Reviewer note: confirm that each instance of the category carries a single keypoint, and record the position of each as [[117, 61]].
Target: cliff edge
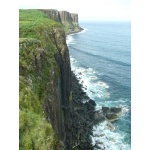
[[51, 114]]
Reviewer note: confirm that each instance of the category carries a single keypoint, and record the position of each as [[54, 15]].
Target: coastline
[[103, 117], [84, 113], [58, 90]]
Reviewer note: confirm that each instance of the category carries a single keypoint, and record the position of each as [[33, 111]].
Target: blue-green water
[[101, 57]]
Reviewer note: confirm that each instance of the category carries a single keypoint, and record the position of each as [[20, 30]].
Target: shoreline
[[106, 114], [83, 115], [72, 32]]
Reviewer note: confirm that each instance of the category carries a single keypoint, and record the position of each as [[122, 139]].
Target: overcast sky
[[98, 10]]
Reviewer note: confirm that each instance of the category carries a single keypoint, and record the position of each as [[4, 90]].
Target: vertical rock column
[[63, 61], [74, 18], [65, 16]]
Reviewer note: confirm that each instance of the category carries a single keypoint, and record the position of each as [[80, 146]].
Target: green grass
[[35, 133], [33, 22]]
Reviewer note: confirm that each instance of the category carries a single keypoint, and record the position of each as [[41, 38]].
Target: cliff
[[52, 14], [74, 17], [51, 114], [67, 19]]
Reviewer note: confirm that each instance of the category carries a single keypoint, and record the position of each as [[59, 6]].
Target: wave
[[84, 30], [104, 136], [69, 39]]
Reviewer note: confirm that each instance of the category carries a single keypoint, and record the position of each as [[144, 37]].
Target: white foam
[[103, 84], [84, 30], [104, 136], [87, 79], [69, 39]]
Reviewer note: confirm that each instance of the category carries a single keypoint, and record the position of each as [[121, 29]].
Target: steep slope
[[40, 79], [52, 116]]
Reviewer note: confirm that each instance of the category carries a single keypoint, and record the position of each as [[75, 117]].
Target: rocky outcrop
[[107, 113], [74, 18], [65, 16]]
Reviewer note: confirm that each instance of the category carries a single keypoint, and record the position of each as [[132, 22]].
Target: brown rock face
[[65, 16], [74, 17]]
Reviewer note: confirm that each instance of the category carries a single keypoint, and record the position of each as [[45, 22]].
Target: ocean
[[101, 58]]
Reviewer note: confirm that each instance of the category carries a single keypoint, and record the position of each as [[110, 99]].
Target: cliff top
[[32, 20]]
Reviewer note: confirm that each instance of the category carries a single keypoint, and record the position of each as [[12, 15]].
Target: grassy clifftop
[[36, 62], [33, 22]]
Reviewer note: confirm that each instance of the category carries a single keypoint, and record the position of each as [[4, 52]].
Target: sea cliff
[[67, 19], [51, 112]]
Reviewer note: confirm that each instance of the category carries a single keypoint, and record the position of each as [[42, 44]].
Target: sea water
[[101, 58]]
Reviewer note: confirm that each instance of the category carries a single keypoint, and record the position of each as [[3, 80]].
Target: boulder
[[90, 105], [105, 109], [92, 102], [98, 117], [112, 117], [116, 110]]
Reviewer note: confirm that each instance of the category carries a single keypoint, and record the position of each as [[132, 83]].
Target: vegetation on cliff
[[46, 105], [36, 51]]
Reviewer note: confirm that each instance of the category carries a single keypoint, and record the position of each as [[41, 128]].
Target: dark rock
[[98, 142], [83, 116], [89, 106], [112, 117], [92, 102], [97, 146], [115, 110], [98, 117], [105, 109], [83, 93]]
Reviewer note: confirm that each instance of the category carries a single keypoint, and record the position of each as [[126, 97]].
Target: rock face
[[65, 16], [58, 105], [53, 14], [74, 17]]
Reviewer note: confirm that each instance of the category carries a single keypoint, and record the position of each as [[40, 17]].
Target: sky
[[88, 10]]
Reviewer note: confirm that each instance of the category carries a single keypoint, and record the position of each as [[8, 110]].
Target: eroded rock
[[112, 117]]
